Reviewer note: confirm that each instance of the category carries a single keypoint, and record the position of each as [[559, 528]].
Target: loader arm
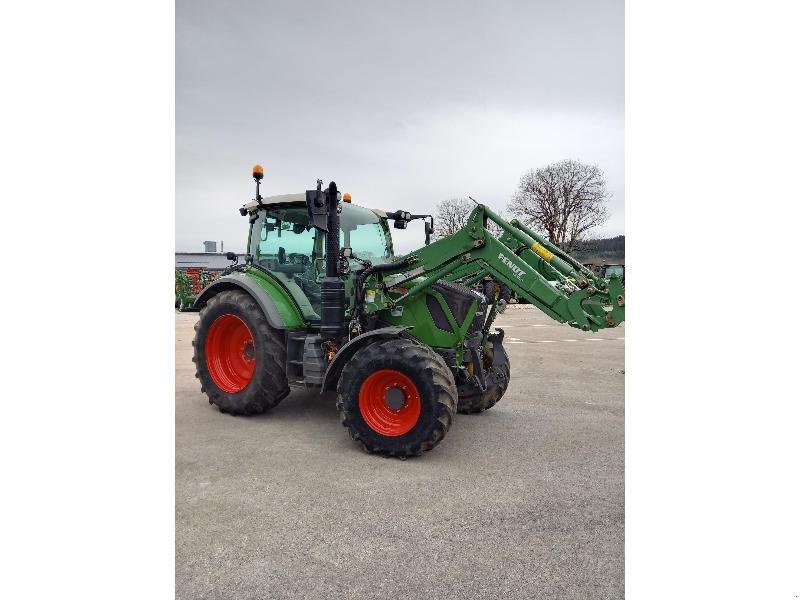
[[532, 267]]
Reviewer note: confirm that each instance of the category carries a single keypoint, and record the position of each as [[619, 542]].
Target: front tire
[[498, 375], [397, 398], [240, 359]]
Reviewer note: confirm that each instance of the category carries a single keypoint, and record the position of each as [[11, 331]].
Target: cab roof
[[252, 206]]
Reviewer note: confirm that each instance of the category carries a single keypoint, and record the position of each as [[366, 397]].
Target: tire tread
[[422, 360], [269, 384]]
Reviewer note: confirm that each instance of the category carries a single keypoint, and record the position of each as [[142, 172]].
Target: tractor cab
[[618, 270], [285, 242]]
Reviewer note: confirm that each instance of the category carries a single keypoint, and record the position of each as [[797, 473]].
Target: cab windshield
[[363, 231], [283, 241]]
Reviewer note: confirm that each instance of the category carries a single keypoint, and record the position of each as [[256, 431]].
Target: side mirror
[[317, 206], [428, 231], [232, 256], [346, 252]]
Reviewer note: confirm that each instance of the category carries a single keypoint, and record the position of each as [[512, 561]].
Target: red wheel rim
[[230, 353], [389, 402]]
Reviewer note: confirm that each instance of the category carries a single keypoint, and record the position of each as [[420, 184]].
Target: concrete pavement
[[523, 501]]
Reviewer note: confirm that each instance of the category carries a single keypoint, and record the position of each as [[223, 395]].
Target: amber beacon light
[[258, 172]]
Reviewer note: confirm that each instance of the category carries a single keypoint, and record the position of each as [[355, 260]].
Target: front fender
[[347, 351], [274, 302]]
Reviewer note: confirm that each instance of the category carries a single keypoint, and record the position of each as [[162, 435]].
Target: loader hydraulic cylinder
[[541, 247]]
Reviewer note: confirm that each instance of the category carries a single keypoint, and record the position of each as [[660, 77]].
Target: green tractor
[[606, 270], [321, 302]]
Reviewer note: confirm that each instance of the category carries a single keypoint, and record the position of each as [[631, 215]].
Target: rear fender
[[240, 281]]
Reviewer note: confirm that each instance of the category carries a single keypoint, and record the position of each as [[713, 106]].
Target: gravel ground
[[523, 501]]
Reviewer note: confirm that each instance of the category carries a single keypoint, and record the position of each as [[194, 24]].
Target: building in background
[[194, 271], [211, 261]]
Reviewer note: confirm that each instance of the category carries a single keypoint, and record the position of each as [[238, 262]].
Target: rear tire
[[497, 377], [408, 375], [240, 359]]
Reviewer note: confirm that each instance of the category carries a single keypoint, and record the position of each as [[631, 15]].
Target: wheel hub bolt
[[394, 398]]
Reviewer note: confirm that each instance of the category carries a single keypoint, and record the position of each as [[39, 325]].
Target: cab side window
[[285, 246], [283, 243]]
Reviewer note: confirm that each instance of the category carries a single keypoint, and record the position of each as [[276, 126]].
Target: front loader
[[322, 302]]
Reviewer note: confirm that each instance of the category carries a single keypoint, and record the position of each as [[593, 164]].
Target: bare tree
[[565, 199], [451, 215], [496, 230]]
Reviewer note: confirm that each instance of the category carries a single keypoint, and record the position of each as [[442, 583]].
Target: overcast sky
[[403, 104]]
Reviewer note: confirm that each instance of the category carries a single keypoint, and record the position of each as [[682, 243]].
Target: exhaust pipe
[[333, 325]]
